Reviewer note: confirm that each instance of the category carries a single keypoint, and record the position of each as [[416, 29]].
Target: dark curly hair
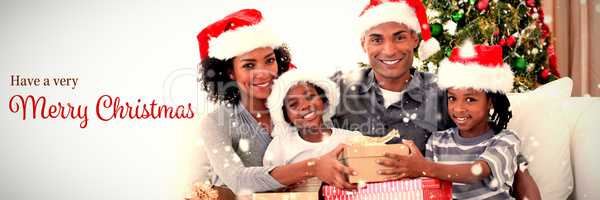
[[220, 87], [502, 114]]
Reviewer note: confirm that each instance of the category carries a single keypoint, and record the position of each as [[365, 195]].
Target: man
[[390, 94]]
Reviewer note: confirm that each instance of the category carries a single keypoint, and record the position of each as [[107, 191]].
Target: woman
[[240, 59]]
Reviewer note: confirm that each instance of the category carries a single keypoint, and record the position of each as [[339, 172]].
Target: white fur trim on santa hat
[[282, 85], [459, 75], [242, 40], [389, 12], [428, 48]]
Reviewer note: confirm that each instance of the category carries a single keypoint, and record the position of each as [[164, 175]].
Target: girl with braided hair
[[479, 155]]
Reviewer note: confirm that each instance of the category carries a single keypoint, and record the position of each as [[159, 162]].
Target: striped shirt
[[499, 151]]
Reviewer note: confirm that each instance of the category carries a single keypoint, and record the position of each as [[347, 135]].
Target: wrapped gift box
[[286, 196], [362, 158], [421, 188]]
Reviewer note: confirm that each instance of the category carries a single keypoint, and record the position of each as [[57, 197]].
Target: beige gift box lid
[[362, 158]]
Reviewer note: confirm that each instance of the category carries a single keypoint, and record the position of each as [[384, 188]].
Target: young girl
[[479, 155], [301, 105]]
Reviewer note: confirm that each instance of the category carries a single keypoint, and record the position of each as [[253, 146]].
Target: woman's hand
[[331, 171], [411, 166]]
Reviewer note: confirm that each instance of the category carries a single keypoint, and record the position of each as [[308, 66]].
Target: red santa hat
[[236, 34], [409, 12], [479, 67], [293, 77]]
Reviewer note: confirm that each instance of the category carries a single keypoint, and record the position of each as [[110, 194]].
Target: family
[[281, 127]]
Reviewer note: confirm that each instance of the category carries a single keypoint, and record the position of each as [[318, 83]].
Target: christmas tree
[[517, 25]]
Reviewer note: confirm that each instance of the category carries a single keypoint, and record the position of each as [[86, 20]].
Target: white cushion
[[585, 141], [538, 119]]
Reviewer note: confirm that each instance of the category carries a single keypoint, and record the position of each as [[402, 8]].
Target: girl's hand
[[331, 171], [411, 166], [524, 185]]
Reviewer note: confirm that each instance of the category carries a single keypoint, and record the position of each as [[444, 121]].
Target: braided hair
[[502, 114]]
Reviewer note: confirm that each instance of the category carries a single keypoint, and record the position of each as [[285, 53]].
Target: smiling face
[[254, 73], [389, 47], [469, 109], [304, 107]]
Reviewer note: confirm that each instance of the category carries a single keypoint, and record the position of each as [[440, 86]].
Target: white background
[[131, 49]]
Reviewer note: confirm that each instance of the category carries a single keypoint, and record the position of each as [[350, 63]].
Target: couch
[[558, 134]]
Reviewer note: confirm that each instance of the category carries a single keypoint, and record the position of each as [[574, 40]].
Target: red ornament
[[545, 31], [482, 5], [552, 60], [511, 41], [545, 74], [531, 3], [502, 42]]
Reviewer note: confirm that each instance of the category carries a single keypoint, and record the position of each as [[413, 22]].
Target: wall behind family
[[132, 49]]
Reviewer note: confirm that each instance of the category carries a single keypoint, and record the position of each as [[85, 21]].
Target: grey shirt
[[420, 111], [499, 151], [234, 144]]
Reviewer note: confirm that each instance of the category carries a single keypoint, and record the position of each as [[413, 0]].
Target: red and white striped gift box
[[421, 188]]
